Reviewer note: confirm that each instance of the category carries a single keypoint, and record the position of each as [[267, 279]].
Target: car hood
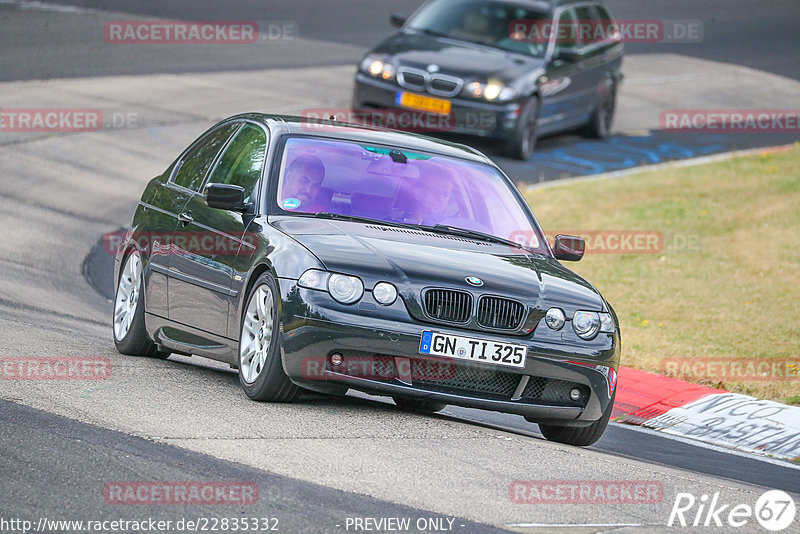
[[415, 259], [452, 56]]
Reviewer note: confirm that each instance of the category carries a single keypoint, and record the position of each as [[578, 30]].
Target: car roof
[[324, 128]]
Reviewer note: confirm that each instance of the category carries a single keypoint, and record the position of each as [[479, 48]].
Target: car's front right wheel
[[261, 371]]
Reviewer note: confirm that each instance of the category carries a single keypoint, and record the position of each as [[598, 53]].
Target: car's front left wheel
[[419, 405], [579, 436], [261, 371], [130, 335]]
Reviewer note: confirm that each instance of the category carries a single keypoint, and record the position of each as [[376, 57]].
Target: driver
[[433, 197], [302, 180]]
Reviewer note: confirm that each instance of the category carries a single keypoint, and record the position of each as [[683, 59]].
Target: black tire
[[419, 405], [135, 342], [523, 140], [270, 384], [599, 125], [579, 436]]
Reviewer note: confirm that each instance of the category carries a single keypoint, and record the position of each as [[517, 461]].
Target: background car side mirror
[[226, 197], [397, 20], [569, 247]]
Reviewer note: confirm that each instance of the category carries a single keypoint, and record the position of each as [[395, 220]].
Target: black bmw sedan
[[323, 256], [504, 69]]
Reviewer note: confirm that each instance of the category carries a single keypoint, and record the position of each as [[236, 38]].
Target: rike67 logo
[[774, 510]]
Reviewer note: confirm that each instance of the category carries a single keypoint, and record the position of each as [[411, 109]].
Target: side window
[[243, 160], [194, 166], [566, 32], [607, 23], [587, 25]]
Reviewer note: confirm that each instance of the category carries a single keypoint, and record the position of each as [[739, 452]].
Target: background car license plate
[[423, 103], [474, 350]]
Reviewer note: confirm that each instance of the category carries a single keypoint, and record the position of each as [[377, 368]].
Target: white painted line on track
[[573, 525]]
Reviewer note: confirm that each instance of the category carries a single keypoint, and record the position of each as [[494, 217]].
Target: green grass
[[735, 294]]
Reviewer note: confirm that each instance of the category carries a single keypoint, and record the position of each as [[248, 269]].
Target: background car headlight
[[555, 318], [378, 68], [345, 289], [385, 293], [314, 279], [586, 324], [495, 90]]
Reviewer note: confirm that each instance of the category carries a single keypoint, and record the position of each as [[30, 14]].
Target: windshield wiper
[[356, 218], [474, 234]]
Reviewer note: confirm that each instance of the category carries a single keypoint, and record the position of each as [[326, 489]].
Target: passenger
[[433, 195]]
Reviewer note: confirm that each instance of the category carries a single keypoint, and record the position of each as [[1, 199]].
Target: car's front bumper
[[471, 117], [382, 357]]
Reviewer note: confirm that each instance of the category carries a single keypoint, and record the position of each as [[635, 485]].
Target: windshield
[[479, 21], [398, 186]]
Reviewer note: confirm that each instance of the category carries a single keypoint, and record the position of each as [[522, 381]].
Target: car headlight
[[385, 293], [377, 67], [314, 279], [554, 318], [495, 90], [587, 324], [345, 289]]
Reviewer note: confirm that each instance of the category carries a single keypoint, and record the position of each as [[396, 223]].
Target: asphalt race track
[[323, 460]]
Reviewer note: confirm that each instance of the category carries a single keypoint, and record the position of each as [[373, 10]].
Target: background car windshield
[[482, 22], [346, 178]]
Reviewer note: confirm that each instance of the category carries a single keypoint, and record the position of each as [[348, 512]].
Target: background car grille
[[411, 80], [444, 85], [496, 312], [448, 305], [469, 379]]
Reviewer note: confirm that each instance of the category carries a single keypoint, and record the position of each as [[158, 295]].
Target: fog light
[[336, 359], [554, 318], [385, 293], [575, 394]]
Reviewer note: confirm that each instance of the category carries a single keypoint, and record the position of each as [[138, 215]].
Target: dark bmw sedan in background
[[323, 256], [504, 69]]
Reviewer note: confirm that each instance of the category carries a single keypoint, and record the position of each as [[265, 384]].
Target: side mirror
[[397, 20], [569, 247], [226, 197], [570, 55]]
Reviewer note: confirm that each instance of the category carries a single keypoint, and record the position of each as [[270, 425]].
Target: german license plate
[[473, 350], [423, 103]]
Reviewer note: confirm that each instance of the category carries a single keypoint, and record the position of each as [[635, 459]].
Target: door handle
[[185, 217]]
